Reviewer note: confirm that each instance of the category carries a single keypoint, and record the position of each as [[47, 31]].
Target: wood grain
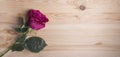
[[77, 28]]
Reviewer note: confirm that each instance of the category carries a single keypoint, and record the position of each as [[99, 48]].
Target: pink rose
[[36, 19]]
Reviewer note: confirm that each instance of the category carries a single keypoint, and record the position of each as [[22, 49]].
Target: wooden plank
[[77, 28]]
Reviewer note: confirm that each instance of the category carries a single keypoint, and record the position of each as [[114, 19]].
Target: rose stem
[[5, 52], [13, 44]]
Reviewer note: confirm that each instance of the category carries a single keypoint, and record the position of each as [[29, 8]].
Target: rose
[[36, 19]]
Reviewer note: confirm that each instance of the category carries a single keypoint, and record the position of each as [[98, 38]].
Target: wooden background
[[77, 28]]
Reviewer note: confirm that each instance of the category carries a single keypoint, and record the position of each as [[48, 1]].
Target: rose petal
[[37, 20], [36, 25]]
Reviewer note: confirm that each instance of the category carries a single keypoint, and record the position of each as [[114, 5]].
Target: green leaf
[[17, 47], [21, 38], [35, 44], [21, 30], [24, 29], [18, 29], [27, 24], [21, 21]]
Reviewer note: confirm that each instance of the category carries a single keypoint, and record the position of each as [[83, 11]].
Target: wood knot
[[82, 7], [98, 43], [11, 32]]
